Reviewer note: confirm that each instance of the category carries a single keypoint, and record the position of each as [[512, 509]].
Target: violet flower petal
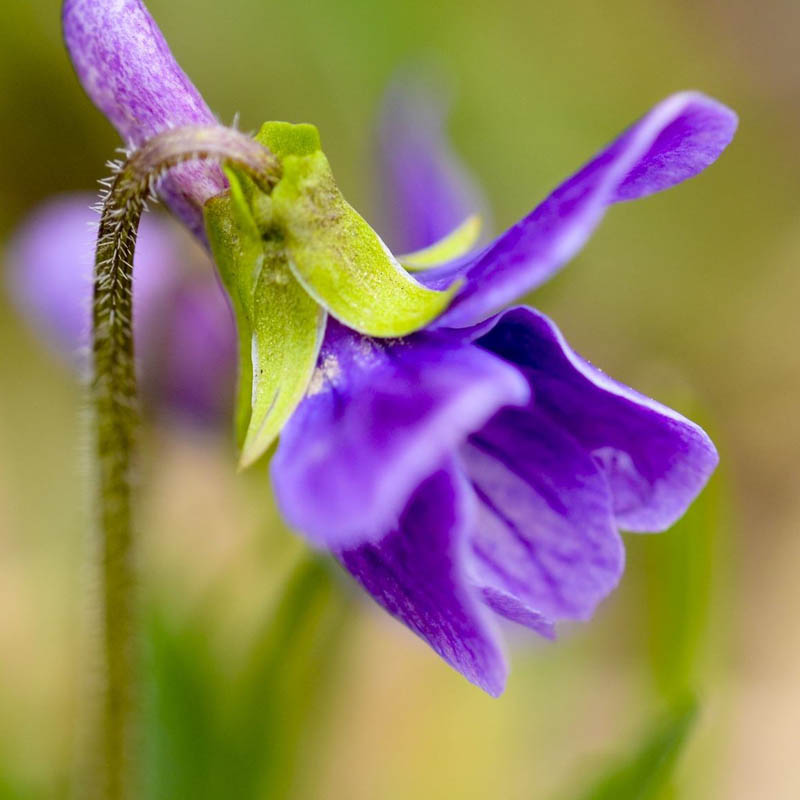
[[126, 67], [183, 328], [545, 532], [655, 460], [50, 261], [512, 608], [426, 191], [379, 418], [415, 573], [676, 140], [196, 364]]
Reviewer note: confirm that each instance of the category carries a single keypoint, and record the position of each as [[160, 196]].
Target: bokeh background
[[691, 296]]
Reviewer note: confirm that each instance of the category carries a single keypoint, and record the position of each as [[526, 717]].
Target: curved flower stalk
[[115, 418], [479, 467]]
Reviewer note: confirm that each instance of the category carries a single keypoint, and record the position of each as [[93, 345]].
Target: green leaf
[[681, 569], [279, 695], [279, 326], [455, 244], [218, 726], [182, 726], [332, 250], [646, 772]]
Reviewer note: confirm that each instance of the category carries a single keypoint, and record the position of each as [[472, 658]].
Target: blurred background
[[690, 296]]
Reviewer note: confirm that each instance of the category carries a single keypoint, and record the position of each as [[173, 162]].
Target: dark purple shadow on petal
[[426, 190], [126, 67], [415, 572], [545, 532], [655, 461], [676, 140], [379, 418]]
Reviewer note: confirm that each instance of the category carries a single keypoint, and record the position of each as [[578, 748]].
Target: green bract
[[287, 258]]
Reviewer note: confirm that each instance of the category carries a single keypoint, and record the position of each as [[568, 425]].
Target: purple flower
[[470, 470], [479, 469], [185, 340]]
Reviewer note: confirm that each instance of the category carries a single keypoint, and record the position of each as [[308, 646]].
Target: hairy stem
[[114, 402]]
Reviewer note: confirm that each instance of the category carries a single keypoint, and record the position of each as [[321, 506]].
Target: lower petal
[[655, 460], [415, 572], [544, 534]]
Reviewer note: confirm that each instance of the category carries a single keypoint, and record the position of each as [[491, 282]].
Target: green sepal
[[333, 252], [290, 139], [231, 247], [457, 243], [279, 326]]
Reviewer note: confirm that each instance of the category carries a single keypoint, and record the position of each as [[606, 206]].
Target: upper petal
[[379, 418], [415, 571], [127, 69], [676, 140], [544, 535], [655, 460], [426, 190]]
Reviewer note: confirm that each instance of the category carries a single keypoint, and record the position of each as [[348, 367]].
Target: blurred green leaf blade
[[181, 723], [647, 771], [680, 567], [282, 687], [212, 733]]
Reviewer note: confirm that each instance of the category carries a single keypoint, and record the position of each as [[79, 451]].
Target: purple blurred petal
[[379, 418], [676, 140], [655, 461], [415, 573], [545, 532], [427, 192], [127, 69], [197, 368], [183, 328], [49, 271]]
